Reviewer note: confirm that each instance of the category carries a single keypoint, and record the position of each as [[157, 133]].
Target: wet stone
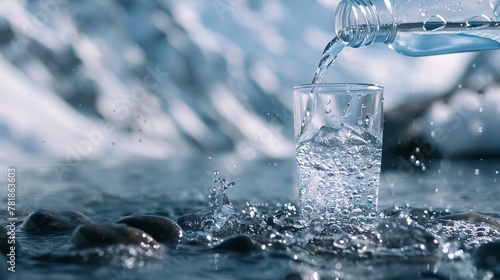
[[487, 258], [191, 222], [52, 221], [160, 228], [102, 235], [238, 244]]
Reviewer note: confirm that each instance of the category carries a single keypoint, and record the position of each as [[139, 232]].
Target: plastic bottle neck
[[363, 22]]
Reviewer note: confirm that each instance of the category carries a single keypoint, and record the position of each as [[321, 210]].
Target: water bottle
[[420, 27]]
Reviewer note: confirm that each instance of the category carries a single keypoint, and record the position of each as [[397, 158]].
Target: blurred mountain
[[114, 79]]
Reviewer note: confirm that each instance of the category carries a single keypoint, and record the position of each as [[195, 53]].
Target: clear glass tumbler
[[338, 130]]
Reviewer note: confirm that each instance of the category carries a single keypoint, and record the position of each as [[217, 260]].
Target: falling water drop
[[478, 22], [433, 23]]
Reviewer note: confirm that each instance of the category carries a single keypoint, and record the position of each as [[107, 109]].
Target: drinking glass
[[338, 130]]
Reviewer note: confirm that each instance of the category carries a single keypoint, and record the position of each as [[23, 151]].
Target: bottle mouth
[[355, 22], [359, 22]]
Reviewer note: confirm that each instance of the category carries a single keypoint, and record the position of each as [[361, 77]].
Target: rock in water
[[487, 258], [102, 235], [160, 228], [191, 222], [52, 221], [238, 244]]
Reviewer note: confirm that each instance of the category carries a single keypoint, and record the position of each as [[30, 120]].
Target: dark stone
[[191, 222], [238, 244], [487, 257], [52, 221], [101, 235], [160, 228]]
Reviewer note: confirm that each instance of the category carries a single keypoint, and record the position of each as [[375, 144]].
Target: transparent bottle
[[420, 27]]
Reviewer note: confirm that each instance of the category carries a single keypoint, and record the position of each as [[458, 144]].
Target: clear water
[[338, 171], [330, 53], [436, 36], [408, 241]]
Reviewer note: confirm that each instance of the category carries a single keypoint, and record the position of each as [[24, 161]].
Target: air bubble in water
[[328, 111], [476, 171], [478, 22], [481, 110], [480, 129], [433, 23]]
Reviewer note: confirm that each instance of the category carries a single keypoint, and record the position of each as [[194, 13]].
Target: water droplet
[[481, 110], [496, 172], [417, 150], [434, 23], [347, 113], [496, 10], [328, 111], [210, 157], [476, 171], [367, 120], [459, 86], [433, 134], [417, 163], [478, 22], [480, 129], [359, 122]]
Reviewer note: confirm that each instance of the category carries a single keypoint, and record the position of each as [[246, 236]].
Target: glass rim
[[340, 87]]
